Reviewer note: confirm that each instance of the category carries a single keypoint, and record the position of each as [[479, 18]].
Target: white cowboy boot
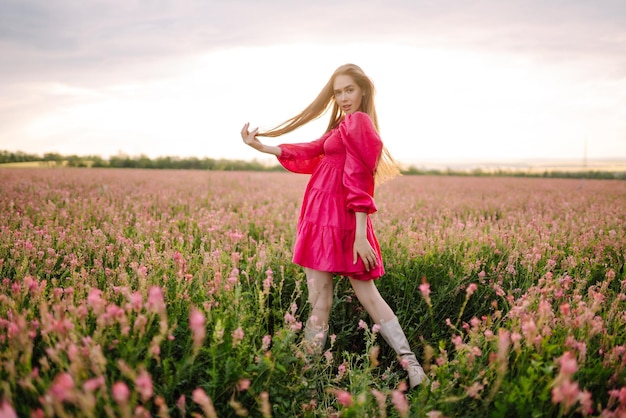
[[393, 334]]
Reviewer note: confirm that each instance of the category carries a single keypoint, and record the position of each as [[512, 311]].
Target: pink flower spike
[[144, 385], [243, 384], [181, 404], [343, 397], [120, 392], [197, 322], [93, 384], [471, 289], [266, 341], [474, 390], [400, 402], [6, 410], [156, 303], [200, 397], [237, 335], [567, 393], [62, 387], [568, 363]]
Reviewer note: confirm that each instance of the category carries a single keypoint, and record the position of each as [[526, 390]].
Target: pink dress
[[341, 164]]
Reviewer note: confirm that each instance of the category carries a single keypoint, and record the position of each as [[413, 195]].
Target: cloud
[[119, 39]]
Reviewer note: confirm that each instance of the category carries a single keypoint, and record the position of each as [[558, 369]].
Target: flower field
[[130, 293]]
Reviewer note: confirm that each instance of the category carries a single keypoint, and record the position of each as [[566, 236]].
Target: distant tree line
[[141, 161], [193, 163], [478, 172]]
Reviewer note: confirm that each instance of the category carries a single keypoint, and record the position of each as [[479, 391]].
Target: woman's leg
[[379, 310], [320, 288], [367, 293]]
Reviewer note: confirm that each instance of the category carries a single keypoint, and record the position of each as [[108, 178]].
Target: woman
[[335, 234]]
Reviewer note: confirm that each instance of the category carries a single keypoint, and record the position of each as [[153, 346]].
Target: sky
[[466, 80]]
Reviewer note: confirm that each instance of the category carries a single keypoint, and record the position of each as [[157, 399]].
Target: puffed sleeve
[[363, 148], [303, 157]]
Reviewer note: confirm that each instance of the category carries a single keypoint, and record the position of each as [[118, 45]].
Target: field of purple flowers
[[171, 293]]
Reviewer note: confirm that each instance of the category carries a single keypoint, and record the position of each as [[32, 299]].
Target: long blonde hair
[[386, 167]]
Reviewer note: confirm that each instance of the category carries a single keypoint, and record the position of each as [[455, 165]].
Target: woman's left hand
[[249, 137], [362, 248]]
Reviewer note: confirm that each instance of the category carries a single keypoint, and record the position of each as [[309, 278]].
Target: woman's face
[[348, 94]]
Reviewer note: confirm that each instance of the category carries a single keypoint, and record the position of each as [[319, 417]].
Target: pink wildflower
[[289, 318], [474, 390], [343, 397], [200, 397], [566, 393], [243, 384], [341, 371], [504, 342], [136, 301], [37, 413], [363, 325], [143, 382], [93, 384], [267, 340], [269, 278], [474, 322], [375, 328], [94, 299], [568, 363], [266, 407], [586, 402], [181, 404], [381, 400], [237, 335], [296, 326], [156, 303], [529, 329], [141, 412], [471, 289], [120, 392], [62, 387], [6, 410], [142, 271], [457, 340], [197, 322], [404, 363], [399, 401], [425, 289], [140, 323]]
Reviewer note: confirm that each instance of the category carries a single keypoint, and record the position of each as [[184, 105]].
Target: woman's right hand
[[249, 137]]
